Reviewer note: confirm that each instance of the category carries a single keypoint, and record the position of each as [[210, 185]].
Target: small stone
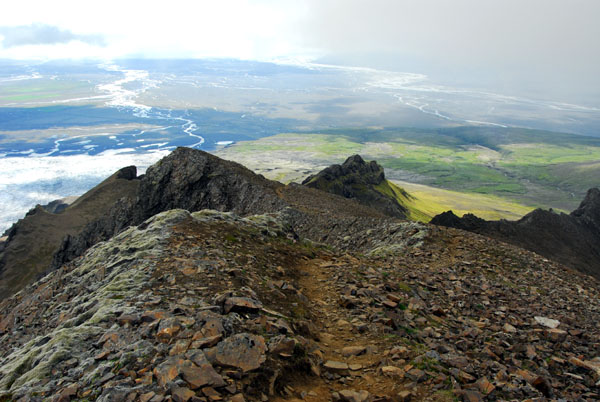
[[167, 329], [404, 396], [337, 367], [509, 328], [179, 347], [213, 326], [282, 345], [71, 363], [416, 375], [238, 398], [400, 352], [128, 319], [355, 366], [150, 316], [389, 304], [438, 311], [241, 305], [353, 350], [211, 394], [530, 352], [484, 386], [527, 375], [244, 351], [201, 376], [542, 385], [462, 376], [393, 298], [167, 371], [102, 355], [343, 324], [207, 342], [66, 393], [556, 335], [347, 302], [146, 397], [547, 322], [472, 396], [392, 371], [182, 394], [354, 396]]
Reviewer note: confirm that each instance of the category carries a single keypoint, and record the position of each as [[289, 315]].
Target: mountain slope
[[571, 239], [31, 242], [211, 305]]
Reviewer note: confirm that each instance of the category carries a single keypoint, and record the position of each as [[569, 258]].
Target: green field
[[43, 90], [501, 173]]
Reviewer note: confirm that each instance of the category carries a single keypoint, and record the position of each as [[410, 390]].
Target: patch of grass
[[427, 363], [231, 238], [404, 287], [444, 396], [430, 201]]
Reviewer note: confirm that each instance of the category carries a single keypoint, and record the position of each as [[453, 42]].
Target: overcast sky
[[556, 42]]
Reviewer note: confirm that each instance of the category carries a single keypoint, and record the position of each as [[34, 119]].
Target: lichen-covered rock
[[243, 351], [111, 274]]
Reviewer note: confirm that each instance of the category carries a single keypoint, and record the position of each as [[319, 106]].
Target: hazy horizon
[[546, 49]]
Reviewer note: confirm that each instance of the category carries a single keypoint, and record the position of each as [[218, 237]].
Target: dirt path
[[338, 333]]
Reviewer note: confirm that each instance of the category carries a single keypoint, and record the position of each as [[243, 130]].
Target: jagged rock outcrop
[[571, 239], [187, 179], [361, 181], [28, 250]]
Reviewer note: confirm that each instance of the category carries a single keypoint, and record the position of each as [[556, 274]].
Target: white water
[[122, 96], [32, 76]]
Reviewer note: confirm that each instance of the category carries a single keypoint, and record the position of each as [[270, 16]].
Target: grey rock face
[[188, 179], [358, 180]]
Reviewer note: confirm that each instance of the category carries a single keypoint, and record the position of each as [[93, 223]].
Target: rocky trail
[[350, 351]]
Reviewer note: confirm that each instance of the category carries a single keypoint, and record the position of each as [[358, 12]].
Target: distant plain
[[66, 125]]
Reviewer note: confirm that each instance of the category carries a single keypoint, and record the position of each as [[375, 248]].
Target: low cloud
[[41, 34]]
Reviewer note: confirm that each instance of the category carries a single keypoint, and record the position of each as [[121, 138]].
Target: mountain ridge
[[31, 242], [571, 239]]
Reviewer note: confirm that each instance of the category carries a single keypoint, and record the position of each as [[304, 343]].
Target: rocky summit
[[364, 182], [572, 239], [292, 293]]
